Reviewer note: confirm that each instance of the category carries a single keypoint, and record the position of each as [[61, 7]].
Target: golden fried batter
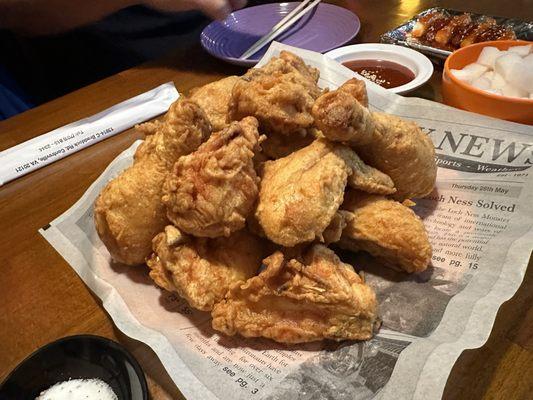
[[401, 150], [280, 95], [364, 177], [202, 270], [388, 230], [286, 62], [342, 117], [210, 192], [357, 89], [300, 300], [128, 213], [214, 98], [394, 146], [300, 194]]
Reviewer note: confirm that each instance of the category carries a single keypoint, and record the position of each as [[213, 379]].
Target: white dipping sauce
[[79, 389]]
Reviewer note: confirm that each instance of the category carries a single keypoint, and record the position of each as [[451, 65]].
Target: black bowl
[[75, 357]]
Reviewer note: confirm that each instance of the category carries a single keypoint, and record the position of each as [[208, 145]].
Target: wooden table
[[42, 298]]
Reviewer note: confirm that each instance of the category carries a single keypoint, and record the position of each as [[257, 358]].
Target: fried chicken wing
[[363, 176], [214, 99], [128, 212], [386, 229], [313, 297], [396, 147], [300, 194], [202, 270], [210, 192], [280, 95]]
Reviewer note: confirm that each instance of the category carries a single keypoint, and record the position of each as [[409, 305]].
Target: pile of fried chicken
[[235, 196]]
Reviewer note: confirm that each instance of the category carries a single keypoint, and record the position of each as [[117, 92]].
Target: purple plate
[[322, 29]]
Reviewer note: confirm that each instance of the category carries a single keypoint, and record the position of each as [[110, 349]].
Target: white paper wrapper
[[61, 142], [479, 219]]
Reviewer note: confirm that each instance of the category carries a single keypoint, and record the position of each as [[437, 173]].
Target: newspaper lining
[[479, 225]]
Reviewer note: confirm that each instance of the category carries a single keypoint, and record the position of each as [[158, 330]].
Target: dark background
[[40, 69]]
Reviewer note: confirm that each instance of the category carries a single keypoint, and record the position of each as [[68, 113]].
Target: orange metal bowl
[[462, 95]]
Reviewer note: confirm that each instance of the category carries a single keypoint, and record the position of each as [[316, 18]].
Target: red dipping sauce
[[387, 74]]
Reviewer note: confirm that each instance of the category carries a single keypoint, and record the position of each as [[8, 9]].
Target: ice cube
[[497, 81], [475, 69], [488, 55], [462, 75], [522, 51], [512, 91], [521, 76], [505, 63], [481, 83]]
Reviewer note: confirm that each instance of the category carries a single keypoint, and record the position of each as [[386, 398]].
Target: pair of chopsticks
[[290, 19]]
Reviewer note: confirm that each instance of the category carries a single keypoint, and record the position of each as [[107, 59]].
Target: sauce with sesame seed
[[387, 74]]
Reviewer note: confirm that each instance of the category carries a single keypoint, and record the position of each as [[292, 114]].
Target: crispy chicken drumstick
[[396, 147], [128, 213], [386, 229]]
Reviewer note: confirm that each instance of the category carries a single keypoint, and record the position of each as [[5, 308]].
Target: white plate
[[415, 61]]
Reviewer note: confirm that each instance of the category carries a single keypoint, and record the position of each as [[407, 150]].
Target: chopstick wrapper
[[61, 142]]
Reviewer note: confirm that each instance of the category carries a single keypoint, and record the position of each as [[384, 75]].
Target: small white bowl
[[418, 63]]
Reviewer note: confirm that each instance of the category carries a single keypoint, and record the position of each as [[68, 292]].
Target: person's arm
[[45, 17]]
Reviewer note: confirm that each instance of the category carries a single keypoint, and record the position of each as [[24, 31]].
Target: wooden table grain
[[42, 298]]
